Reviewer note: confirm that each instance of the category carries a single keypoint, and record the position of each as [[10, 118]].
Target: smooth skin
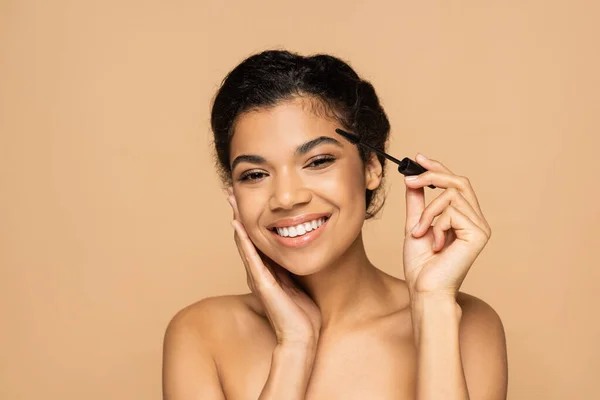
[[337, 327]]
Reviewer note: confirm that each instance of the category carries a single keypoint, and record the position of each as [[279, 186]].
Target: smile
[[301, 234], [300, 229]]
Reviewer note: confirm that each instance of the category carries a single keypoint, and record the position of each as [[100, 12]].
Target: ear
[[373, 172]]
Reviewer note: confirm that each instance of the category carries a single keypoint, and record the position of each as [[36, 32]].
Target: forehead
[[283, 126]]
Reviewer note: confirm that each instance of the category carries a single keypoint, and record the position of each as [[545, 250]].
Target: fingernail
[[411, 178], [415, 228], [421, 157]]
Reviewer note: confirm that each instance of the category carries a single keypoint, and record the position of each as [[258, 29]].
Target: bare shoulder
[[193, 340], [211, 317], [478, 313], [480, 324]]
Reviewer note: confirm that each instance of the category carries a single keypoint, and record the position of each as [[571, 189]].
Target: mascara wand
[[405, 167]]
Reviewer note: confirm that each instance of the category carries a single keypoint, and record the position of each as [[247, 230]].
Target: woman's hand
[[437, 258], [295, 318]]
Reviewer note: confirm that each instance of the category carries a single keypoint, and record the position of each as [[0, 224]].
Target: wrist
[[434, 309], [436, 328], [429, 302], [298, 345], [295, 349], [291, 368], [296, 360], [296, 354]]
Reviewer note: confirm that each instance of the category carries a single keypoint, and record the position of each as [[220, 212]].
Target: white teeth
[[300, 229]]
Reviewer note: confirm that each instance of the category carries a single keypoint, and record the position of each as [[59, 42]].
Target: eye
[[251, 176], [321, 161]]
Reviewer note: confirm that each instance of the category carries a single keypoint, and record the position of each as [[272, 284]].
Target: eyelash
[[322, 160]]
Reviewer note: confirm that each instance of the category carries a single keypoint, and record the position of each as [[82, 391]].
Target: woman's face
[[299, 186]]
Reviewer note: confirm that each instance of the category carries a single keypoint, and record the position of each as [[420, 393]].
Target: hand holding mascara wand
[[405, 167]]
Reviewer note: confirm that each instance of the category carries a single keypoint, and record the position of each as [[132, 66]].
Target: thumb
[[415, 205]]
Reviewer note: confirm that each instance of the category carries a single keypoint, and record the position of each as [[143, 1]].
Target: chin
[[305, 271], [303, 264]]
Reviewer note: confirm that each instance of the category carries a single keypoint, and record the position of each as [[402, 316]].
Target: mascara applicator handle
[[409, 167]]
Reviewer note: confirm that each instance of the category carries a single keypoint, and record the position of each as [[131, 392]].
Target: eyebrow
[[300, 150]]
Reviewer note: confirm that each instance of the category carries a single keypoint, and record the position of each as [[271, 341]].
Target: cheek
[[346, 187], [251, 206], [248, 211]]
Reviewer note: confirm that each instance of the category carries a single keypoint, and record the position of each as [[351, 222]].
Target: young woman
[[321, 321]]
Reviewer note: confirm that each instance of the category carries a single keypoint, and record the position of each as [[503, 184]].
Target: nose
[[288, 190]]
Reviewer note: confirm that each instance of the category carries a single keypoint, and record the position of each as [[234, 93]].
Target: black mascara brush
[[406, 167]]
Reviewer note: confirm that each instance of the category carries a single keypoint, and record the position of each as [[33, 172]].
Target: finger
[[446, 180], [228, 192], [452, 197], [277, 303], [250, 276], [234, 207], [245, 261], [283, 277], [415, 204], [464, 229], [249, 279], [262, 278], [431, 165], [269, 264]]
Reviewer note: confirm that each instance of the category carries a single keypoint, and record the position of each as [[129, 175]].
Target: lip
[[304, 240], [299, 219]]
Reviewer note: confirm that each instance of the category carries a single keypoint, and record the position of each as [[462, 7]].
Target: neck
[[349, 291]]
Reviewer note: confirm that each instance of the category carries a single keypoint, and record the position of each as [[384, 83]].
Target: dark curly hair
[[265, 79]]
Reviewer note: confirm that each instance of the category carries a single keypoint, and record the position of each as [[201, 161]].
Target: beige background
[[111, 218]]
